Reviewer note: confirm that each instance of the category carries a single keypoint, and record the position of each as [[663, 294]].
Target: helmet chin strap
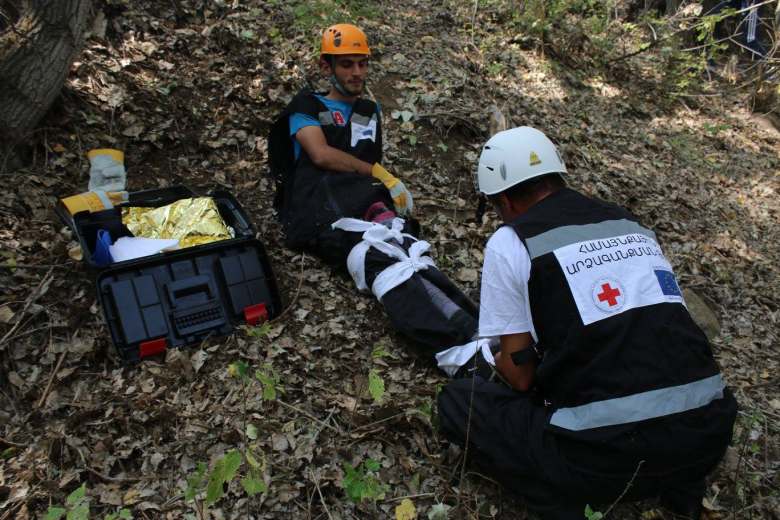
[[481, 208], [339, 87]]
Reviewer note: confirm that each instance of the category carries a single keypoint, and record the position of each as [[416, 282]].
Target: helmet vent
[[502, 169]]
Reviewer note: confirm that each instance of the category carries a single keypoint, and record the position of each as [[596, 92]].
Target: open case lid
[[155, 197], [183, 297], [85, 225]]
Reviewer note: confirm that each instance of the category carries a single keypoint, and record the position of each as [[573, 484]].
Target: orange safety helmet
[[344, 38]]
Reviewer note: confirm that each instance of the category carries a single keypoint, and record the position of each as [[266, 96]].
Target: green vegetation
[[590, 514], [314, 15], [376, 386], [205, 488], [77, 508], [361, 482], [674, 52], [270, 381]]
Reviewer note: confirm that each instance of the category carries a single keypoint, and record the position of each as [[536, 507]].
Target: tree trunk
[[672, 6], [39, 39], [777, 21]]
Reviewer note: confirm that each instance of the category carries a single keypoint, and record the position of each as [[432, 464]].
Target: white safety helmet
[[516, 155]]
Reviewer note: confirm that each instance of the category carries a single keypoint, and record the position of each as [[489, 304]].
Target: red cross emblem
[[338, 117], [608, 294]]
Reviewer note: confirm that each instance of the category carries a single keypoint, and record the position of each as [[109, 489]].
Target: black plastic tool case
[[181, 297]]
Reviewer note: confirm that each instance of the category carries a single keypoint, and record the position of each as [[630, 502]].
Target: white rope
[[387, 240]]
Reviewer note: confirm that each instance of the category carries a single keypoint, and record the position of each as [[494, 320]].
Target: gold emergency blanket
[[192, 221]]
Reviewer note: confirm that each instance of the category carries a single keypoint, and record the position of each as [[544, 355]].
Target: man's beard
[[355, 89]]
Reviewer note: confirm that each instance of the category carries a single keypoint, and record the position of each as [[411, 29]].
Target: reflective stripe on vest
[[553, 239], [326, 118], [641, 406], [361, 120]]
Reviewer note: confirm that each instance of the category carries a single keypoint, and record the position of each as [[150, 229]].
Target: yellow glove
[[93, 201], [106, 183], [107, 170], [402, 198]]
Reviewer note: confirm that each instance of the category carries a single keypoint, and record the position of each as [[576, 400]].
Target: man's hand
[[402, 198], [519, 377], [312, 140]]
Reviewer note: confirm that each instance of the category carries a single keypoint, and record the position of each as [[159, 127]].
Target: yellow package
[[191, 221]]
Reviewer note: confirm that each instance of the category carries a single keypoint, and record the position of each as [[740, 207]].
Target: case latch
[[152, 347], [255, 314]]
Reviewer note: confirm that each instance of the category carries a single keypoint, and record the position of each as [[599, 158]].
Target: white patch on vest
[[360, 132], [609, 276]]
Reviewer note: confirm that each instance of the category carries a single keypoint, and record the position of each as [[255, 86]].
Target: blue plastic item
[[102, 255]]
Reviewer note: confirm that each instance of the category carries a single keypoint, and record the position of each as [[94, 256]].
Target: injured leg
[[422, 303]]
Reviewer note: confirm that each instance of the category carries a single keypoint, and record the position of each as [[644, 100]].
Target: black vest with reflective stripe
[[609, 360], [368, 149], [312, 198]]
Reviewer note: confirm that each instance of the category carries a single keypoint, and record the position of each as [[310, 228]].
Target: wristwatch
[[522, 357]]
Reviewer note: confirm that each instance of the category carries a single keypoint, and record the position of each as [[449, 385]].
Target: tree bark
[[672, 6], [39, 39], [777, 20]]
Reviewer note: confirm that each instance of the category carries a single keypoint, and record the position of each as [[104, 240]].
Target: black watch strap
[[522, 357]]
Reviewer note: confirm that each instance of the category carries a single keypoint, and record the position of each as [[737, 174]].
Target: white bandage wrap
[[453, 358], [388, 241]]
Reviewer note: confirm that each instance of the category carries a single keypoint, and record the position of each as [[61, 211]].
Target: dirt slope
[[188, 90]]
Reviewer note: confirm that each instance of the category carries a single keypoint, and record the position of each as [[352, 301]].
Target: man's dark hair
[[529, 188], [330, 59]]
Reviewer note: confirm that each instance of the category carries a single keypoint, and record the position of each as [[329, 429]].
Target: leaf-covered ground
[[188, 90]]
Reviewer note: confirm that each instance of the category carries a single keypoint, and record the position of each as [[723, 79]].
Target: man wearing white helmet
[[614, 389]]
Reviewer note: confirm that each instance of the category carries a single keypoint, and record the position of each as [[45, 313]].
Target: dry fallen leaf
[[6, 314], [15, 380], [279, 442], [467, 275], [194, 86], [198, 359], [348, 402], [405, 510], [75, 253]]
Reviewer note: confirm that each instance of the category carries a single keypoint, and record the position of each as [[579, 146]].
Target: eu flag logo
[[667, 282]]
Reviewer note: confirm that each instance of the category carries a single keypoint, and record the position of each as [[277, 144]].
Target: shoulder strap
[[305, 102], [281, 154], [364, 107]]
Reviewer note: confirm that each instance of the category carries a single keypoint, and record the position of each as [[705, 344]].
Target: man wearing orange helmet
[[325, 152]]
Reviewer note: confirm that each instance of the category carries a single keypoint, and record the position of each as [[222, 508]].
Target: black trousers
[[508, 435]]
